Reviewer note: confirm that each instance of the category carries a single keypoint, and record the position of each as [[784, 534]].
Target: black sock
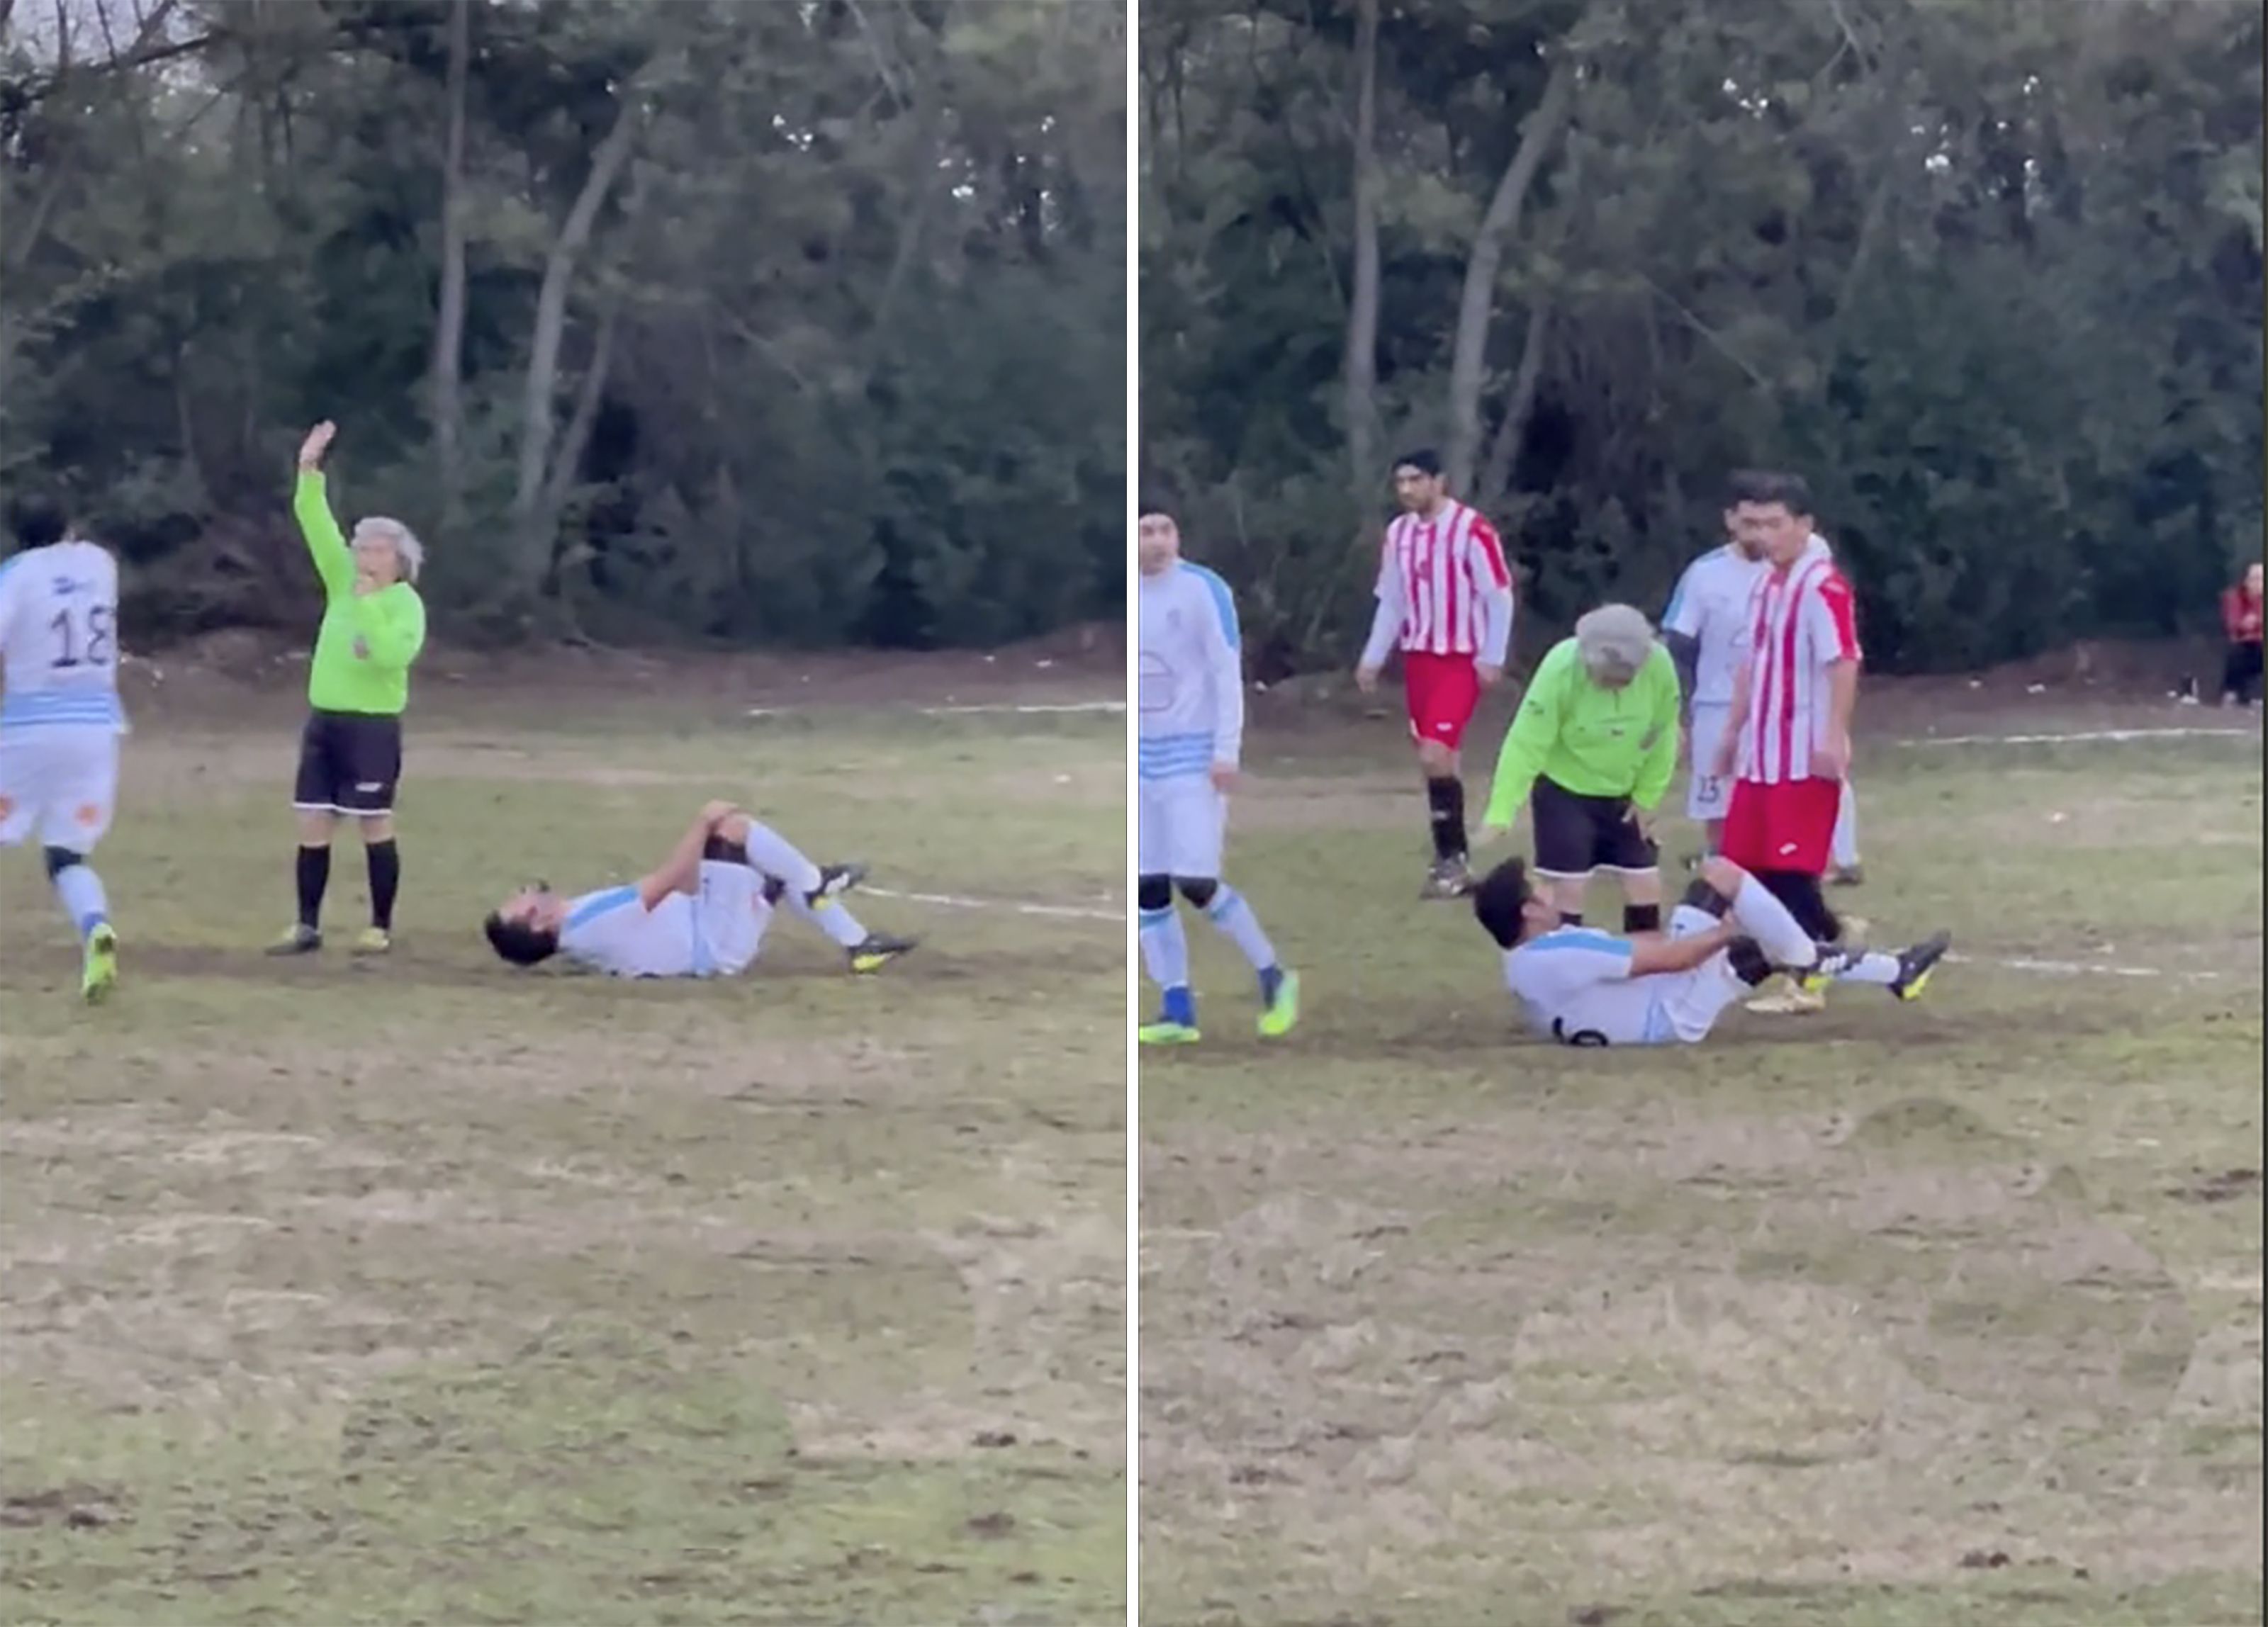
[[385, 882], [1446, 798], [314, 874], [1641, 919], [1805, 902]]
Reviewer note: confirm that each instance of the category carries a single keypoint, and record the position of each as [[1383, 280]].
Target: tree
[[759, 322], [1989, 272]]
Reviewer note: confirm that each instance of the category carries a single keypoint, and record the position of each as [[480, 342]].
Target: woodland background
[[1988, 272], [800, 321]]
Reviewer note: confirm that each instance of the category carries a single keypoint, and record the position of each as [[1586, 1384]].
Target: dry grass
[[1905, 1317], [431, 1292]]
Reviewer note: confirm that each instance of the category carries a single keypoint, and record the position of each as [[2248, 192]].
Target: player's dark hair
[[1791, 492], [1500, 902], [1153, 503], [37, 521], [1747, 486], [520, 942], [1424, 459]]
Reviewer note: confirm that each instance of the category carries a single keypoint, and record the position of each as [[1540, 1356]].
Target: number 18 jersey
[[59, 636]]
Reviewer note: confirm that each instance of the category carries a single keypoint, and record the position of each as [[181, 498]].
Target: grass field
[[431, 1292], [1917, 1316]]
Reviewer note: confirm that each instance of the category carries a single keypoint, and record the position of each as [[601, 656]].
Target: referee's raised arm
[[372, 630]]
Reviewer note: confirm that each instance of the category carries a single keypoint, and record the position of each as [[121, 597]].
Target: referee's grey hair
[[1613, 641], [407, 549]]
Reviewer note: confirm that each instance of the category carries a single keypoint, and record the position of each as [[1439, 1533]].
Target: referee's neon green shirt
[[390, 622], [1594, 741]]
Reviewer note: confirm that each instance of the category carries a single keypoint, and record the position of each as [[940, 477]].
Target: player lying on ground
[[1191, 732], [1580, 986], [1591, 753], [59, 718], [702, 914]]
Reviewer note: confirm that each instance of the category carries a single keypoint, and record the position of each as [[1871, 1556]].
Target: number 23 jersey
[[59, 631]]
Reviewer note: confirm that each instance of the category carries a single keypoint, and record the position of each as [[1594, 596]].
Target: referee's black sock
[[385, 882], [314, 875], [1446, 799]]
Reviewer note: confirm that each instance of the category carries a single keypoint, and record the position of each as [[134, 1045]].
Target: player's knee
[[60, 859], [1198, 890], [1706, 896], [1724, 875], [1748, 961], [1440, 761], [1152, 894]]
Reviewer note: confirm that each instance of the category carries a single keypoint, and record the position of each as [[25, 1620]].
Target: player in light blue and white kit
[[703, 913], [1580, 986], [59, 718], [1191, 732], [1706, 629]]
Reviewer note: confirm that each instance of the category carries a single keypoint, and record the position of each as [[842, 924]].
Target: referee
[[1592, 751], [357, 685]]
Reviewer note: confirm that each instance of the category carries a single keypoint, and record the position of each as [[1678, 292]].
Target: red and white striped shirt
[[1443, 587], [1801, 622]]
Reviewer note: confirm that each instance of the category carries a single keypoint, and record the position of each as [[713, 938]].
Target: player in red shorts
[[1786, 744], [1445, 601]]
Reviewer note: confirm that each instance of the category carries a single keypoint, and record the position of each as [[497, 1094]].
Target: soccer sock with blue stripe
[[1166, 957], [80, 891], [1228, 911]]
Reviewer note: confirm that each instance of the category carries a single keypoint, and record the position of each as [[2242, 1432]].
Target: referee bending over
[[357, 685]]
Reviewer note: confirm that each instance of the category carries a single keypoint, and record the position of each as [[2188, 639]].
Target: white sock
[[1871, 967], [1845, 842], [80, 891], [775, 856], [1165, 948], [836, 920], [1233, 916], [1766, 919]]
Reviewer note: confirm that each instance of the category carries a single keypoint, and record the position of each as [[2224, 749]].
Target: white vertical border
[[1133, 979]]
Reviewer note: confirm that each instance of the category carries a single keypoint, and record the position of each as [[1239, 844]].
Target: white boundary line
[[950, 900], [2081, 737], [1031, 709], [2014, 963]]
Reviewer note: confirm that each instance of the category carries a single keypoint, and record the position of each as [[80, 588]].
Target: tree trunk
[[449, 330], [1504, 447], [534, 546], [1468, 365], [1361, 369], [589, 396]]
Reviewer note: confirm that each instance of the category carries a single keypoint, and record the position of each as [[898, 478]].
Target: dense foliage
[[1987, 271], [801, 320]]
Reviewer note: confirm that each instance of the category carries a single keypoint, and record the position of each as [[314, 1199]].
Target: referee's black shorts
[[1576, 835], [350, 762]]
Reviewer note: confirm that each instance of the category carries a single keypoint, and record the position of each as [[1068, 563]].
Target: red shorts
[[1786, 826], [1442, 691]]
